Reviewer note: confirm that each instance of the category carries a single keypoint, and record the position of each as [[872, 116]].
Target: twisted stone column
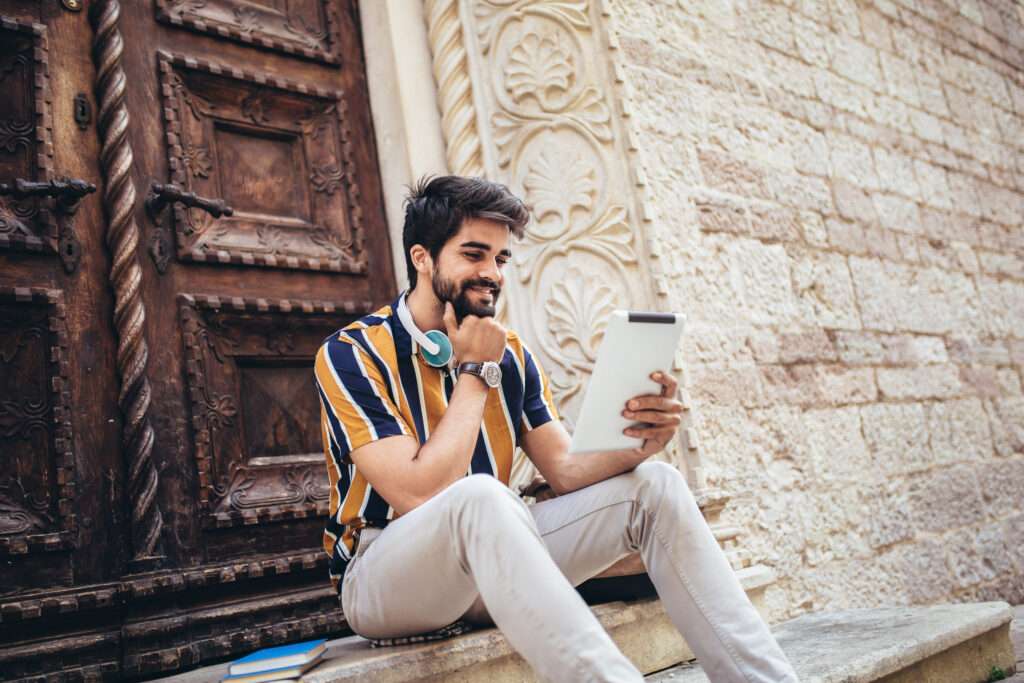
[[451, 72], [122, 237]]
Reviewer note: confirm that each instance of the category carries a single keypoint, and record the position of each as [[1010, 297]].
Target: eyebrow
[[485, 247]]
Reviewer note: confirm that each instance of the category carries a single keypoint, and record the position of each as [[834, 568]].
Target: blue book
[[282, 657]]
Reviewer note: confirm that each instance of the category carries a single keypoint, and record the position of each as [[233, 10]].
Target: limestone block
[[923, 381], [1001, 483], [763, 288], [895, 297], [924, 571], [1003, 305], [801, 191], [897, 213], [726, 385], [959, 430], [1013, 533], [854, 60], [840, 385], [813, 228], [848, 236], [837, 448], [873, 348], [899, 78], [807, 345], [810, 41], [978, 555], [1009, 381], [945, 499], [890, 521], [982, 380], [897, 436], [934, 186], [1006, 419], [825, 291], [933, 98]]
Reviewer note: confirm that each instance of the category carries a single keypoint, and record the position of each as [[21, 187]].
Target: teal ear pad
[[444, 353]]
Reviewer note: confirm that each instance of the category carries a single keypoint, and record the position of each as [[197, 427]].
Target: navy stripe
[[512, 387], [534, 406], [342, 356], [407, 373], [376, 507], [339, 432], [385, 372]]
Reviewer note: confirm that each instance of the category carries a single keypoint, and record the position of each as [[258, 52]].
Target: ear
[[421, 260]]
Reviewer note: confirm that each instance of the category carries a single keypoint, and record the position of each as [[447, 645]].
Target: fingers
[[667, 381], [659, 403], [449, 319], [660, 433], [655, 417]]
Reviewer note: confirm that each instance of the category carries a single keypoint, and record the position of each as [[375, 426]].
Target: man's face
[[468, 268]]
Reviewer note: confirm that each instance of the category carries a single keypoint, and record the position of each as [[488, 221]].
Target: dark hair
[[435, 208]]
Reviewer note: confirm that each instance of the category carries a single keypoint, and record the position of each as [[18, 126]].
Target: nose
[[491, 271]]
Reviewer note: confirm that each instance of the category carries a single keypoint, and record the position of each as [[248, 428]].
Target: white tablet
[[635, 346]]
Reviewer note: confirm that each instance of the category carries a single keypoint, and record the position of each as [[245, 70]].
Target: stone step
[[939, 644], [640, 628]]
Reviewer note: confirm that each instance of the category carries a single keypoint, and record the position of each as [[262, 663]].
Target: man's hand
[[661, 413], [477, 339]]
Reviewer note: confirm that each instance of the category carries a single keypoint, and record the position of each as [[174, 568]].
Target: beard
[[446, 290]]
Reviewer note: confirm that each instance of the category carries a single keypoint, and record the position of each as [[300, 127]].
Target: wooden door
[[184, 523]]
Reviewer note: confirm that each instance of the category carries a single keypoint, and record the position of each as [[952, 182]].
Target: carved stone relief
[[544, 113], [252, 400], [37, 472], [26, 150], [247, 138], [306, 28]]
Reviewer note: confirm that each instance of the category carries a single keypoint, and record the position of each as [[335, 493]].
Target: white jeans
[[476, 550]]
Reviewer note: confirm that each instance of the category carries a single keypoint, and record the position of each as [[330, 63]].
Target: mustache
[[484, 283]]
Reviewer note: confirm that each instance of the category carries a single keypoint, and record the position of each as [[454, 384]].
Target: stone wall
[[839, 190]]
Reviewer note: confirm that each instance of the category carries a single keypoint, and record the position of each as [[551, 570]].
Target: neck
[[427, 311]]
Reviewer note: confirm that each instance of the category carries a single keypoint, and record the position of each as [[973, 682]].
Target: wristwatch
[[489, 372]]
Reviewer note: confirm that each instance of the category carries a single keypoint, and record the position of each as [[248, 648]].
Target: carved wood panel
[[252, 400], [37, 468], [306, 28], [278, 152], [26, 150]]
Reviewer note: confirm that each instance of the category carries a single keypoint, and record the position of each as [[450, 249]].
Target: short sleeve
[[355, 398], [538, 404]]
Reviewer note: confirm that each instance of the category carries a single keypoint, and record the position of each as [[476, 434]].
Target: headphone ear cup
[[444, 353]]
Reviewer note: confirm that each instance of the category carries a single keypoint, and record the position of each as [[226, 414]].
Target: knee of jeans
[[661, 483], [485, 490]]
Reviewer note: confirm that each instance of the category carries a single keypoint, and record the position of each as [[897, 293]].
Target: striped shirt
[[373, 384]]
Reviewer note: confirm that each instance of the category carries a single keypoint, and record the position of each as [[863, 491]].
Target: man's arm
[[548, 445], [402, 471]]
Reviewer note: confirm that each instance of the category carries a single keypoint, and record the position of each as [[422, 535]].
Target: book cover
[[280, 657], [286, 673]]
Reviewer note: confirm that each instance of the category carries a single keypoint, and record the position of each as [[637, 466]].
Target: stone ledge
[[939, 644]]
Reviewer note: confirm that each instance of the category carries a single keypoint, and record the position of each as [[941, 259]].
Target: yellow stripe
[[333, 474], [384, 345], [501, 439], [433, 394], [353, 503]]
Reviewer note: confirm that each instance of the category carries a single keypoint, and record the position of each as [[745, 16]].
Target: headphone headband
[[435, 346]]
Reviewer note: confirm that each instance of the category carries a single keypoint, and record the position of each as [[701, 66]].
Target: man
[[416, 544]]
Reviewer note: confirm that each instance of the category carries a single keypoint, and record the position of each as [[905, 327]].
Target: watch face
[[492, 374]]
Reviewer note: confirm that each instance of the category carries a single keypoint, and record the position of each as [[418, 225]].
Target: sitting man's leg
[[651, 509], [478, 538]]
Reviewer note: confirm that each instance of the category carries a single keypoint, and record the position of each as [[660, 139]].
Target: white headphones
[[434, 345]]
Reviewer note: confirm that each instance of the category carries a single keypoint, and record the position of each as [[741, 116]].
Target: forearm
[[583, 469], [445, 456]]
